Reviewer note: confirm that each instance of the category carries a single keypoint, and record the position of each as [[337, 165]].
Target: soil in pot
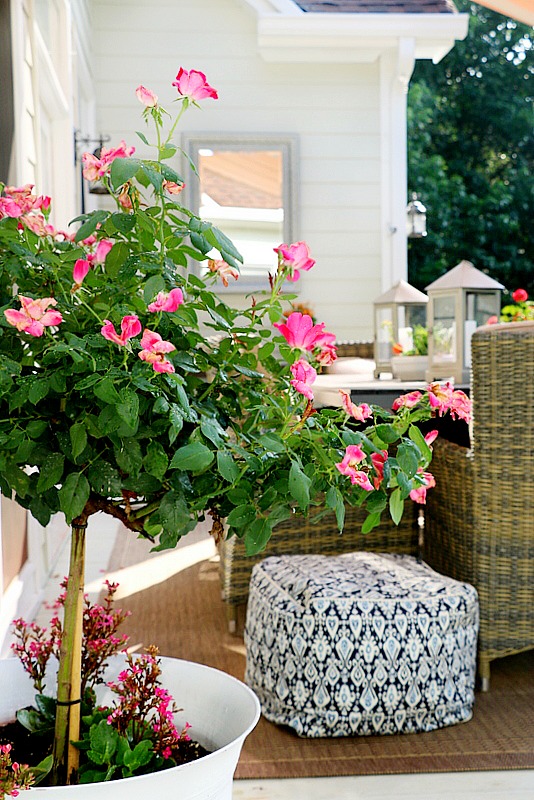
[[31, 748]]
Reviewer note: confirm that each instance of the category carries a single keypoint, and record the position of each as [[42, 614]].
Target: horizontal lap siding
[[334, 109]]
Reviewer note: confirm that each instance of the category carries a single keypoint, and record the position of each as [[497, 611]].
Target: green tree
[[471, 153]]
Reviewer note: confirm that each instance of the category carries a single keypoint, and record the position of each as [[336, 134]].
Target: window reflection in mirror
[[246, 187]]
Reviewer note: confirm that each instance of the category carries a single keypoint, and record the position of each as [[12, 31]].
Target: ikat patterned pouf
[[360, 644]]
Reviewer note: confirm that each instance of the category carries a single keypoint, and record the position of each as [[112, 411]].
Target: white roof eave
[[356, 38]]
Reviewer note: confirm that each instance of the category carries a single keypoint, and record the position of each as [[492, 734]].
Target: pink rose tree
[[129, 386]]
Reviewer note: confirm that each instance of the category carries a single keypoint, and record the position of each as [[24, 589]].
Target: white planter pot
[[221, 710], [409, 368]]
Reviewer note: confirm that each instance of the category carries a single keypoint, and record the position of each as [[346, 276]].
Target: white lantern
[[458, 303], [397, 312]]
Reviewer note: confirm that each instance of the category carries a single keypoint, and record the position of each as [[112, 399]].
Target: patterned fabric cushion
[[362, 643]]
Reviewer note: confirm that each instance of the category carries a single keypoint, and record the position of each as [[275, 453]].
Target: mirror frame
[[288, 145]]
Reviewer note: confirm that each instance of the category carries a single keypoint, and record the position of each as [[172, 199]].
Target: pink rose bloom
[[124, 198], [171, 187], [461, 406], [34, 316], [354, 455], [81, 268], [378, 461], [361, 412], [37, 224], [299, 331], [130, 327], [430, 437], [91, 167], [407, 400], [167, 302], [294, 257], [418, 495], [327, 355], [95, 168], [223, 270], [304, 376], [146, 97], [102, 249], [193, 84], [153, 351], [493, 320], [520, 296], [9, 208]]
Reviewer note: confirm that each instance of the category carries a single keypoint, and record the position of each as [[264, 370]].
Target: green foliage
[[92, 422], [471, 153]]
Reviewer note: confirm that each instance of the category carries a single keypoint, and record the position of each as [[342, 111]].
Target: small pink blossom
[[146, 97], [223, 270], [102, 249], [353, 457], [171, 187], [153, 351], [167, 302], [81, 268], [304, 376], [361, 412], [95, 168], [193, 84], [407, 400], [9, 208], [378, 461], [327, 355], [294, 258], [418, 495], [33, 317], [431, 436], [493, 320], [443, 397], [300, 332], [130, 327]]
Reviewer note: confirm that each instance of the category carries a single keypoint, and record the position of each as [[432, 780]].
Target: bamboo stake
[[65, 763]]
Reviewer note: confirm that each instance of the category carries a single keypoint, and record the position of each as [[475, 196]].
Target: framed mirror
[[247, 186]]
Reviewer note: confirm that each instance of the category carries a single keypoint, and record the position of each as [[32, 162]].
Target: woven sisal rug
[[175, 602]]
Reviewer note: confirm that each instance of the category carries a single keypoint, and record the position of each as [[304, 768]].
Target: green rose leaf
[[78, 438], [156, 460], [227, 466], [123, 169], [91, 224], [408, 458], [241, 516], [213, 431], [73, 495], [105, 390], [299, 486], [128, 407], [387, 433], [371, 521], [334, 500], [104, 479], [38, 390], [51, 472], [257, 536], [194, 457], [396, 506]]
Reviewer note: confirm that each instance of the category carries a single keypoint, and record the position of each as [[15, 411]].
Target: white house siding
[[334, 109], [50, 73]]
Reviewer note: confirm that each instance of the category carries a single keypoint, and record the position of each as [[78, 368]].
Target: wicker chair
[[301, 535], [479, 520]]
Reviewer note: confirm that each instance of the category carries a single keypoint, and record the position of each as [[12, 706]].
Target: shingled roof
[[378, 6]]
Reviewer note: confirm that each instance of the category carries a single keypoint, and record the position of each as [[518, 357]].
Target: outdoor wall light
[[415, 218]]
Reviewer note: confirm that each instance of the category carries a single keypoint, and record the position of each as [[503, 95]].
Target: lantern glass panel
[[444, 329], [384, 334], [480, 307]]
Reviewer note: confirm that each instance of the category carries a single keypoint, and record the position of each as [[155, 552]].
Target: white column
[[396, 68]]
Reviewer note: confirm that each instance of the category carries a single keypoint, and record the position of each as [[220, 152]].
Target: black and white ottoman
[[360, 644]]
